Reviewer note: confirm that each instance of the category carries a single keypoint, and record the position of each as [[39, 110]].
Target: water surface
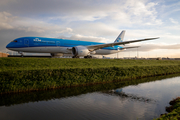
[[129, 100]]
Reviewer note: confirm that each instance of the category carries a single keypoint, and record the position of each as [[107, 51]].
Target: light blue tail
[[120, 37]]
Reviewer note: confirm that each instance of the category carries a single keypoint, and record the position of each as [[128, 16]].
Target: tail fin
[[120, 37]]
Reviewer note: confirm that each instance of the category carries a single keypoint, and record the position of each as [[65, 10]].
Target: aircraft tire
[[75, 56], [88, 56]]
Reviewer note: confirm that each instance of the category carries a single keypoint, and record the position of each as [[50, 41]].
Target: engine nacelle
[[80, 51], [93, 52]]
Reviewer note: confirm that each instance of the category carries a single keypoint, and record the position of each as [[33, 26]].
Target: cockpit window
[[14, 41]]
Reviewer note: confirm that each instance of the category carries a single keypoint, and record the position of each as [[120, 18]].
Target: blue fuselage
[[53, 45]]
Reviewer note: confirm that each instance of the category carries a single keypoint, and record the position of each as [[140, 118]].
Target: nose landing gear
[[21, 53]]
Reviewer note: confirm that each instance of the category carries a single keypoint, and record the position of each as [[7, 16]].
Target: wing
[[96, 47], [129, 47]]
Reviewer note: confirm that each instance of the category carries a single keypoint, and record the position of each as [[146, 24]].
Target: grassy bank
[[7, 64], [26, 74], [173, 111], [20, 98]]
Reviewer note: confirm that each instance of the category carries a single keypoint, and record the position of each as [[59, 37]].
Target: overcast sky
[[96, 20]]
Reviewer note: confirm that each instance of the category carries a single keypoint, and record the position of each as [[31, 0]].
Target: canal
[[126, 100]]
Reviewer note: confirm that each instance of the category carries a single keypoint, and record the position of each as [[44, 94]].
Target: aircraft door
[[26, 42], [57, 43]]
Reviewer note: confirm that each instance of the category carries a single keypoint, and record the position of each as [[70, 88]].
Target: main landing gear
[[88, 56], [75, 56]]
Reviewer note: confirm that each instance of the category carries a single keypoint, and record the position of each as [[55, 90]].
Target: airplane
[[76, 48]]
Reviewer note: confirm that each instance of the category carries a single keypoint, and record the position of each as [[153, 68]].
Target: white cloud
[[85, 38], [67, 30], [5, 20], [8, 21], [154, 46], [94, 20], [173, 21], [130, 13], [141, 12]]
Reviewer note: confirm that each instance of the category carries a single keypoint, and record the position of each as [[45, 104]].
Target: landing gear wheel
[[88, 56], [75, 56]]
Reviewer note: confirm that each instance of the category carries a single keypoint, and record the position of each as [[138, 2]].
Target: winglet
[[120, 37]]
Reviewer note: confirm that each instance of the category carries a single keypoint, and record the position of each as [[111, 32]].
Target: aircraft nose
[[8, 46]]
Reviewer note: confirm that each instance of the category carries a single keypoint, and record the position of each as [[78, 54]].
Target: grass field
[[27, 74], [7, 64]]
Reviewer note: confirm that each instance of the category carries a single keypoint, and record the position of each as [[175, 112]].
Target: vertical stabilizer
[[120, 37]]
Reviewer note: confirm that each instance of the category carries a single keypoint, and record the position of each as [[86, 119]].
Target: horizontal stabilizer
[[129, 47]]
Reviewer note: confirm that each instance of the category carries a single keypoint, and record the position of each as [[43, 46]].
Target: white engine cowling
[[93, 52], [80, 51]]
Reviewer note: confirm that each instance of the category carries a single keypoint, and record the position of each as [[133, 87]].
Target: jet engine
[[80, 51]]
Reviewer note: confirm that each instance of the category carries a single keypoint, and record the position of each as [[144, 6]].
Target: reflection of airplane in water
[[123, 95], [21, 98]]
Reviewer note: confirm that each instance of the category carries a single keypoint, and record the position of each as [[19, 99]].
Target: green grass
[[174, 111], [11, 99], [7, 64], [26, 74]]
